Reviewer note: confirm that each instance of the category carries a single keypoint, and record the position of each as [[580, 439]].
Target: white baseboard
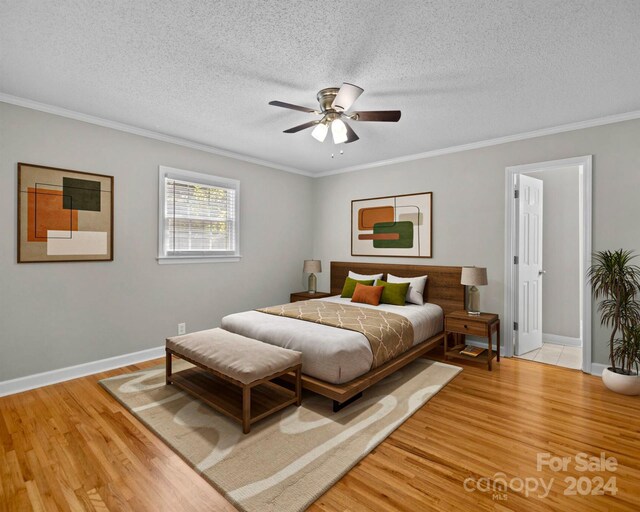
[[9, 387], [561, 340], [596, 368]]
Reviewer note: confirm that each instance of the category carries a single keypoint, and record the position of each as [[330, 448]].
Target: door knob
[[541, 272]]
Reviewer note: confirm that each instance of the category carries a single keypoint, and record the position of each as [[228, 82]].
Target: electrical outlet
[[182, 328]]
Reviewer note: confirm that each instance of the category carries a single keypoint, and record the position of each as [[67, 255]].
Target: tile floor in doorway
[[560, 355]]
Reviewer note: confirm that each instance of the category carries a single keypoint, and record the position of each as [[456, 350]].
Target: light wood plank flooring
[[72, 447]]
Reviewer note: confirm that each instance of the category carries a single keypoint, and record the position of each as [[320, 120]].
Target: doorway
[[547, 248]]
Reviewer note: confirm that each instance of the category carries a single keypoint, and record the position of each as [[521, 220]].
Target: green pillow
[[393, 293], [350, 286]]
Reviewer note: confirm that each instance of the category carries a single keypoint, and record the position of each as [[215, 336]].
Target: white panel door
[[529, 251]]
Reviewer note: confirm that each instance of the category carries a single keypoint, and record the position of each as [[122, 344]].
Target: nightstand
[[461, 323], [295, 297]]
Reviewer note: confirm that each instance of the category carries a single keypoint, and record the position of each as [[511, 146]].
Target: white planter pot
[[623, 384]]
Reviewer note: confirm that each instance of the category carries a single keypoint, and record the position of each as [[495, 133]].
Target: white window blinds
[[199, 216]]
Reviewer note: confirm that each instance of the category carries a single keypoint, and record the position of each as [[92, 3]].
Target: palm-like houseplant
[[627, 350], [616, 281]]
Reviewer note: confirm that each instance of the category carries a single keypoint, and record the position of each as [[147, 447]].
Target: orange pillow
[[367, 294]]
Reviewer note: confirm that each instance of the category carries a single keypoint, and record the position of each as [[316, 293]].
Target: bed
[[341, 368], [348, 354]]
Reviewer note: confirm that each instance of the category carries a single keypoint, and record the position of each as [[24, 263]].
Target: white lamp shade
[[474, 276], [339, 131], [320, 132], [312, 266]]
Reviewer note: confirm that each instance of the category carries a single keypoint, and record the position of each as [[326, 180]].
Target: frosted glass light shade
[[339, 131], [320, 132]]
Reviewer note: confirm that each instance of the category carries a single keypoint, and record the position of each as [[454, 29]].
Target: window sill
[[177, 260]]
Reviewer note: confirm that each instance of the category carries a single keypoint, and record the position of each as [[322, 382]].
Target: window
[[198, 217]]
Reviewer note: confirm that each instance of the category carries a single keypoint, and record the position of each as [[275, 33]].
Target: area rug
[[290, 459]]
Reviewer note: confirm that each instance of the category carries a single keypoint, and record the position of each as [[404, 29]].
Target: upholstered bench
[[229, 368]]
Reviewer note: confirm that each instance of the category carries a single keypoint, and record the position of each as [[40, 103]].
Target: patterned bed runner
[[389, 334]]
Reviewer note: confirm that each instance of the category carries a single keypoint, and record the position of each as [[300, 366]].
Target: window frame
[[203, 179]]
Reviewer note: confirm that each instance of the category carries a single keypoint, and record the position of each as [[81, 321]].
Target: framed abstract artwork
[[398, 226], [64, 215]]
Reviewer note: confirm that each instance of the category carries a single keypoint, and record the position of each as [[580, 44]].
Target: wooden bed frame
[[443, 288]]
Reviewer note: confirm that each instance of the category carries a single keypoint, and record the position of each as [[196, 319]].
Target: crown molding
[[51, 109], [150, 134], [590, 123]]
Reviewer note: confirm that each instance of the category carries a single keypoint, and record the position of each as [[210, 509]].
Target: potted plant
[[627, 351], [616, 281]]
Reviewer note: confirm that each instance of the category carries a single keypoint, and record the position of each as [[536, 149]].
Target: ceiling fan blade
[[351, 135], [301, 127], [392, 116], [293, 107], [347, 95]]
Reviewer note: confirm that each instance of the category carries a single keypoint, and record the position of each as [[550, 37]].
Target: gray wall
[[561, 251], [468, 202], [54, 315]]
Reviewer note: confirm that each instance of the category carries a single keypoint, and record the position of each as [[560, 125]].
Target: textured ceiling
[[205, 70]]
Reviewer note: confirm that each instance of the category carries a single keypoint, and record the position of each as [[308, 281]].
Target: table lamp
[[474, 276], [311, 267]]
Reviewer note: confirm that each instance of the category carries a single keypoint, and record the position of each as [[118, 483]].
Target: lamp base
[[313, 283], [474, 301]]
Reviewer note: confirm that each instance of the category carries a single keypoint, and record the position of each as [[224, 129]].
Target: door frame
[[511, 241]]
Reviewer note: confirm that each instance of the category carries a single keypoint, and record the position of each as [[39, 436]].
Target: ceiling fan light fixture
[[320, 132], [335, 104], [339, 131]]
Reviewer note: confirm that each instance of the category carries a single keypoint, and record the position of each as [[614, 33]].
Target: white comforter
[[329, 353]]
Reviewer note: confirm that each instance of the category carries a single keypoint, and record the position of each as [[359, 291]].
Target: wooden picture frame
[[395, 226], [64, 215]]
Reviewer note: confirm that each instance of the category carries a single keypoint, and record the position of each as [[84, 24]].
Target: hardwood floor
[[72, 447]]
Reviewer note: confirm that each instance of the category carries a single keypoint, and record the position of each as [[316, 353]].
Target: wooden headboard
[[443, 284]]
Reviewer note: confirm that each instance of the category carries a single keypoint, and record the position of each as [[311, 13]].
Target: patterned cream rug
[[290, 459]]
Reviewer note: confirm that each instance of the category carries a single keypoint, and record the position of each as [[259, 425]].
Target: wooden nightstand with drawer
[[295, 297], [461, 323]]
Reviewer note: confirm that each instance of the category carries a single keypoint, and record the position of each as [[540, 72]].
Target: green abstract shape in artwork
[[404, 229]]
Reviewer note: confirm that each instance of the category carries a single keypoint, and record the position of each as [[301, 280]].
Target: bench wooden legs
[[246, 409], [246, 401], [299, 386], [168, 367], [187, 381]]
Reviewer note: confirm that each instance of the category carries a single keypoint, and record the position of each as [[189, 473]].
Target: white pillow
[[416, 287], [362, 277]]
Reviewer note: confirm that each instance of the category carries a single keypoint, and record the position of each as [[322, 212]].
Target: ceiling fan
[[334, 103]]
